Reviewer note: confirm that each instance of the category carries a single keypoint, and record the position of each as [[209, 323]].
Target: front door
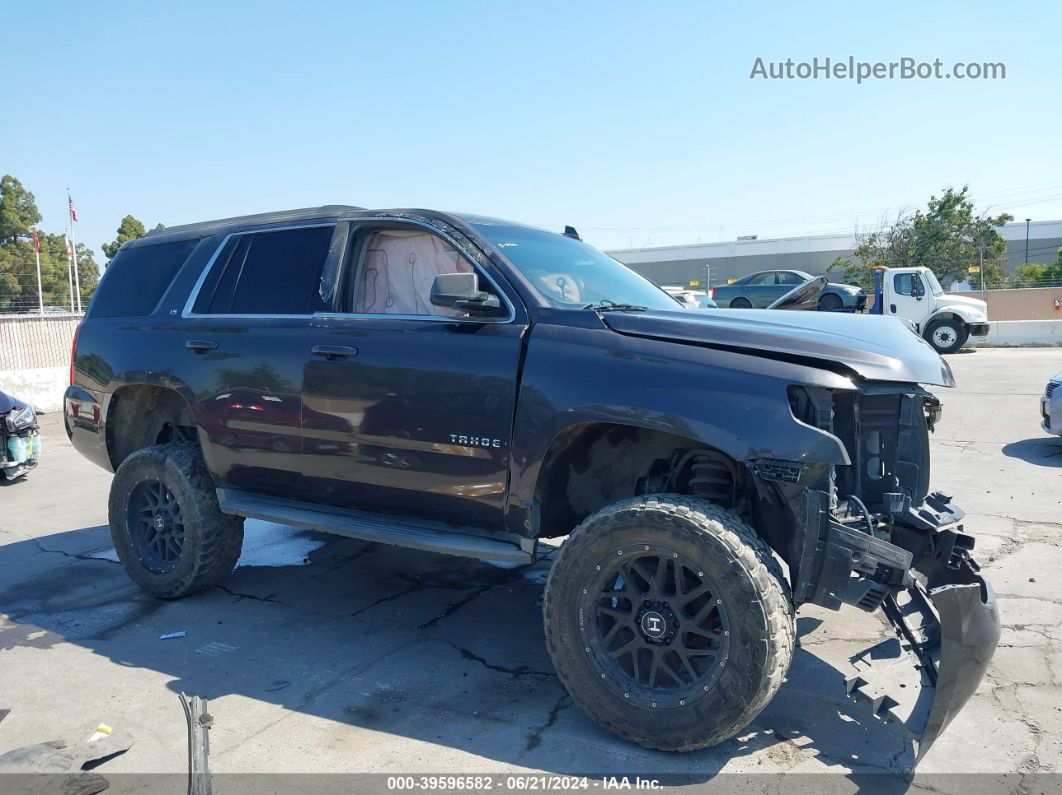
[[408, 407], [908, 299]]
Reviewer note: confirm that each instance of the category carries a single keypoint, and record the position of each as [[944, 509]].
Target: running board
[[369, 526]]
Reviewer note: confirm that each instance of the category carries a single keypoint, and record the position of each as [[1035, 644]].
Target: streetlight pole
[[1027, 240]]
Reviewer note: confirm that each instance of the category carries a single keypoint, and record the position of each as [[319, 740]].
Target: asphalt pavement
[[331, 656]]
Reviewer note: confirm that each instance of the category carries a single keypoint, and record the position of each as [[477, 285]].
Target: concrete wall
[[1021, 334], [35, 358], [1031, 303]]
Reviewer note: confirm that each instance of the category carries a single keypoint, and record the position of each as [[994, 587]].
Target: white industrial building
[[712, 264]]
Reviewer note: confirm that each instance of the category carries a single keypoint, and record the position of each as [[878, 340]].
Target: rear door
[[409, 406], [246, 330]]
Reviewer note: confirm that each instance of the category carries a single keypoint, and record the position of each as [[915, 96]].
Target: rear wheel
[[167, 528], [668, 621], [741, 303], [946, 336]]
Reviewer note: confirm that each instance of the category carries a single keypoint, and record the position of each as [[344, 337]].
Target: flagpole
[[73, 248], [37, 254], [69, 267]]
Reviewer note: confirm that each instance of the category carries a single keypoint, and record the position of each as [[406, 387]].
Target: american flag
[[73, 212], [36, 241]]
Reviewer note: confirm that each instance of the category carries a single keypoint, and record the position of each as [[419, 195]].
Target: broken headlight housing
[[20, 418]]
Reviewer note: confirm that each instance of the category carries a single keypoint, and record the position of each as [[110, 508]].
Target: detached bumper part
[[946, 636]]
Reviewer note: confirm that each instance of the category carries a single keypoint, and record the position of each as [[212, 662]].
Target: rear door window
[[268, 273], [137, 277]]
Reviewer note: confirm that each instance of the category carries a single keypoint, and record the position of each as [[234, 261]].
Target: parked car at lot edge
[[692, 299], [1051, 406], [472, 386], [758, 290]]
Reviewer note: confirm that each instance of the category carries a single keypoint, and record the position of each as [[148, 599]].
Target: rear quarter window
[[136, 278]]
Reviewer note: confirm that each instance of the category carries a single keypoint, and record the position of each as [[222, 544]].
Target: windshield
[[570, 274], [701, 301], [934, 285]]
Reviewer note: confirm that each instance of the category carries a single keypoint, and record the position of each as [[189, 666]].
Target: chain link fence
[[19, 293], [30, 341]]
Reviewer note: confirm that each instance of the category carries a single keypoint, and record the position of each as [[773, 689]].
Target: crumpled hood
[[874, 347], [8, 403]]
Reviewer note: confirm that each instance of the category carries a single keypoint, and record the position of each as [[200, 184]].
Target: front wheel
[[946, 336], [167, 528], [830, 302], [668, 621]]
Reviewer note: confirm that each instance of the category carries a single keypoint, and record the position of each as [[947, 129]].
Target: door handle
[[334, 352], [200, 346], [892, 307]]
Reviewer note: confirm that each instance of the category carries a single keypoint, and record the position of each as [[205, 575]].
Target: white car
[[1051, 406], [691, 299]]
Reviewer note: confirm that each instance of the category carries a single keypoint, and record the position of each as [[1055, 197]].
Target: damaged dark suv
[[472, 386]]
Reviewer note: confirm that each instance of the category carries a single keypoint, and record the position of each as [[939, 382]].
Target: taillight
[[711, 293], [73, 351]]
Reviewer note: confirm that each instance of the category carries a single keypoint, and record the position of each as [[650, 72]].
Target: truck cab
[[915, 295]]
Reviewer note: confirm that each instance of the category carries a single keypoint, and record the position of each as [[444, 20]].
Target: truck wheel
[[741, 303], [946, 336], [169, 533], [668, 621]]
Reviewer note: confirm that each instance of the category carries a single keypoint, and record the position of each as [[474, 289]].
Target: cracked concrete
[[375, 659]]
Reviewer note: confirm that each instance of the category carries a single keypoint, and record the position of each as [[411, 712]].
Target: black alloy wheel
[[655, 626], [156, 526]]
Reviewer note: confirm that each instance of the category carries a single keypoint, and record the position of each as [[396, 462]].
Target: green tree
[[18, 211], [1039, 274], [948, 237], [851, 272], [129, 229], [18, 280]]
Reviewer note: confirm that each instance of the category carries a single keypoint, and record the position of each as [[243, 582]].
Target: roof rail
[[300, 214]]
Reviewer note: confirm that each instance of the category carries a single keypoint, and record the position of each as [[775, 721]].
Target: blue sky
[[637, 123]]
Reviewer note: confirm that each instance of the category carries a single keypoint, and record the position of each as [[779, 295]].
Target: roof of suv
[[326, 212], [200, 228]]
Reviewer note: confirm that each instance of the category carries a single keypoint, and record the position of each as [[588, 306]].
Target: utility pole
[[1027, 240], [981, 266]]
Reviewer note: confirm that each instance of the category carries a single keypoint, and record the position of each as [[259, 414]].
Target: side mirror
[[461, 292]]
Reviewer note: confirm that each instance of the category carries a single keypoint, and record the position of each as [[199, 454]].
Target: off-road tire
[[958, 335], [212, 539], [741, 303], [830, 302], [750, 582]]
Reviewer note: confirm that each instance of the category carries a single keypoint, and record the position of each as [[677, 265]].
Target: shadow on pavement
[[1043, 450], [444, 650]]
